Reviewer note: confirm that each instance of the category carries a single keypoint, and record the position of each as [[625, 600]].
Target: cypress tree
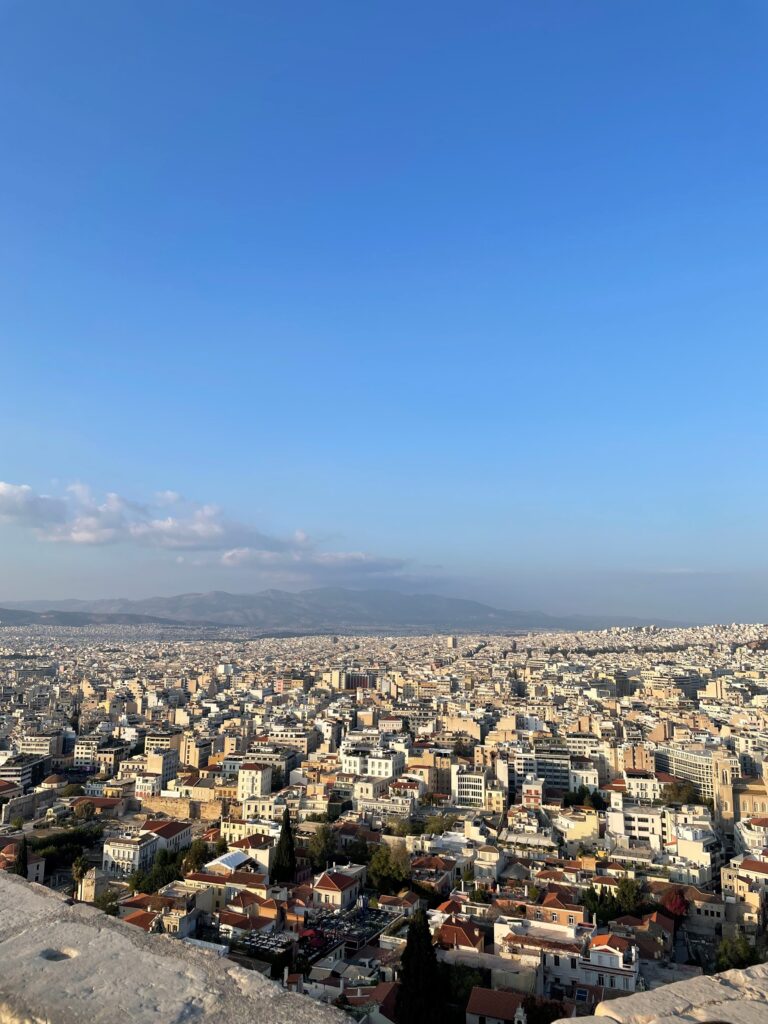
[[420, 999], [284, 864], [20, 864]]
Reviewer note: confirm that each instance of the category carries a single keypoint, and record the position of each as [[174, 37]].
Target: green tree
[[20, 863], [17, 823], [595, 801], [72, 790], [322, 847], [163, 857], [221, 846], [582, 797], [85, 810], [197, 855], [435, 824], [421, 996], [629, 896], [735, 952], [680, 792], [79, 868], [166, 869], [603, 908], [284, 864], [380, 868], [463, 747], [107, 902], [457, 981], [401, 864], [405, 827], [389, 868], [358, 851]]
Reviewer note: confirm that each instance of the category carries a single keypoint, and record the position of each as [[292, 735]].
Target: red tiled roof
[[164, 828], [460, 933], [750, 864], [141, 918], [334, 880], [488, 1002], [611, 941]]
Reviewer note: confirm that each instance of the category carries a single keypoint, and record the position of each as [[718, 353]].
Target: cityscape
[[383, 576], [567, 817]]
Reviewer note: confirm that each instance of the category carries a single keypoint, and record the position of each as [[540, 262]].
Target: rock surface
[[734, 997], [66, 964]]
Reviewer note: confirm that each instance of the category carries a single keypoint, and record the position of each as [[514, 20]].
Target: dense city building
[[577, 816]]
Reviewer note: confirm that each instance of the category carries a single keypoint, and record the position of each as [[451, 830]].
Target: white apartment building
[[253, 780], [751, 835], [583, 774], [692, 762], [171, 835], [126, 854], [373, 761], [642, 786], [468, 785], [654, 826], [611, 962], [146, 786], [85, 751]]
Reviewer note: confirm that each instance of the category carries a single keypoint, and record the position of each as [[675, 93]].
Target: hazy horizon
[[524, 601], [397, 297]]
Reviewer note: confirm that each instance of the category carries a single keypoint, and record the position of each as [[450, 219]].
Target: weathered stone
[[734, 997], [62, 964]]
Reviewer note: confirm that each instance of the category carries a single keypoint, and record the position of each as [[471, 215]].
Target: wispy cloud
[[169, 522]]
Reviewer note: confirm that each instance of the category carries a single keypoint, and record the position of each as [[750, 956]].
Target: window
[[612, 981], [571, 919], [601, 980], [557, 960]]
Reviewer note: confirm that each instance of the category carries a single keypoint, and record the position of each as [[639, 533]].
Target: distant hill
[[321, 610], [52, 617]]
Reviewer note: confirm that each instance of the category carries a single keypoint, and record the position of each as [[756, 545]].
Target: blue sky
[[440, 296]]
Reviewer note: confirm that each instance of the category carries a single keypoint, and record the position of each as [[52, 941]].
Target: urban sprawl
[[478, 829]]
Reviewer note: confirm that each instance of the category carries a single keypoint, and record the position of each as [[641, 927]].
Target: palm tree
[[80, 867]]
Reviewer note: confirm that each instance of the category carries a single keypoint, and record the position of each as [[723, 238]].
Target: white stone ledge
[[734, 997], [62, 964]]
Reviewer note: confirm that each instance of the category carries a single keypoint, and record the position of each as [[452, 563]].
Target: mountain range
[[327, 609]]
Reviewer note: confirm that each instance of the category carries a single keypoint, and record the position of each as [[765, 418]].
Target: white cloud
[[19, 503], [78, 518]]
